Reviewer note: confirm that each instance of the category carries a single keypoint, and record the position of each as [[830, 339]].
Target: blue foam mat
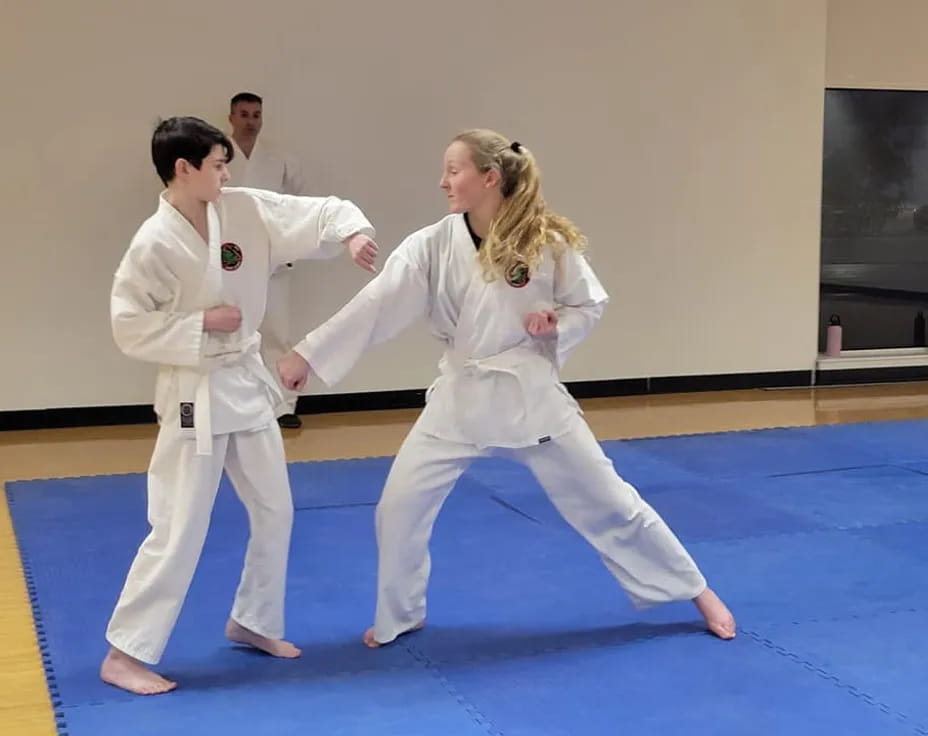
[[907, 538], [528, 633], [898, 442], [760, 453], [407, 701], [698, 510], [693, 686], [881, 657]]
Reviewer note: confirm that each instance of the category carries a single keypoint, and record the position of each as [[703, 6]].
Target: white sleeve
[[390, 303], [143, 325], [579, 301], [301, 228]]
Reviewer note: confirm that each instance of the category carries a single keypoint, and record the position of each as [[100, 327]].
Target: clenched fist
[[541, 324], [293, 371], [222, 319]]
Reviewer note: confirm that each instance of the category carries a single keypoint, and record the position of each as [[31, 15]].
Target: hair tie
[[516, 146]]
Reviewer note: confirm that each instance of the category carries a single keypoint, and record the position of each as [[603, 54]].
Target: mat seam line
[[836, 681], [469, 708]]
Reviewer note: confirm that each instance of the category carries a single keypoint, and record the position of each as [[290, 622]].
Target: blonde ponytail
[[524, 225]]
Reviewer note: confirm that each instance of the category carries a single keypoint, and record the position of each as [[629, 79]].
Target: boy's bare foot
[[370, 641], [275, 647], [121, 670], [718, 618]]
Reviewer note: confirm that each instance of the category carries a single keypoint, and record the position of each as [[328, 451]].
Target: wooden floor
[[25, 708]]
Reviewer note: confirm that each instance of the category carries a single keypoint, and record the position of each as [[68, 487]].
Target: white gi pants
[[275, 331], [181, 491], [635, 544]]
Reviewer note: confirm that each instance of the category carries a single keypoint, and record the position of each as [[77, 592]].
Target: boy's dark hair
[[188, 138], [245, 97]]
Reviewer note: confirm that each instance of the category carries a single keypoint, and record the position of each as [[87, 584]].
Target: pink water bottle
[[833, 337]]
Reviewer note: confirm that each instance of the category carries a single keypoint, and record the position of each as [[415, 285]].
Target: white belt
[[202, 421], [506, 362]]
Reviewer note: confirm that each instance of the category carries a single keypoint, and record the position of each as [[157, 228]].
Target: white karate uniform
[[214, 397], [498, 393], [267, 168]]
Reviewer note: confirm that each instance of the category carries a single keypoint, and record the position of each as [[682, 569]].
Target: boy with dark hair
[[189, 295]]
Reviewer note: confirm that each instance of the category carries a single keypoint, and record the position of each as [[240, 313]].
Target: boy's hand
[[363, 251], [222, 319], [293, 371]]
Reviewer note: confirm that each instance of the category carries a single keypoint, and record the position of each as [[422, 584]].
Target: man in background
[[257, 164]]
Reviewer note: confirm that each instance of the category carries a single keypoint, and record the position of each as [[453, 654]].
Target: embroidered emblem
[[186, 415], [517, 275], [231, 257]]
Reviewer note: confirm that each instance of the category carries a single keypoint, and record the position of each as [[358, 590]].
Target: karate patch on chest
[[231, 257], [517, 275]]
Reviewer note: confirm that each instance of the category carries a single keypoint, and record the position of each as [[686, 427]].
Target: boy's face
[[245, 119], [205, 183]]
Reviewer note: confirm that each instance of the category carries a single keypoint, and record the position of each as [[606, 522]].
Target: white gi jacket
[[214, 383], [499, 387]]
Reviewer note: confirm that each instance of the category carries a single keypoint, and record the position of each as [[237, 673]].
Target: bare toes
[[369, 639]]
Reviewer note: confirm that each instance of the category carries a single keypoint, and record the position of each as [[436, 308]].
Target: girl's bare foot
[[718, 618]]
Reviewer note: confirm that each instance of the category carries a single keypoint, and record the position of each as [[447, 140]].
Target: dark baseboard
[[81, 416], [856, 376], [730, 382], [369, 401], [610, 387], [92, 416]]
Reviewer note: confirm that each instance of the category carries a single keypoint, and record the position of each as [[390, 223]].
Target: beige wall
[[685, 138], [877, 44]]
